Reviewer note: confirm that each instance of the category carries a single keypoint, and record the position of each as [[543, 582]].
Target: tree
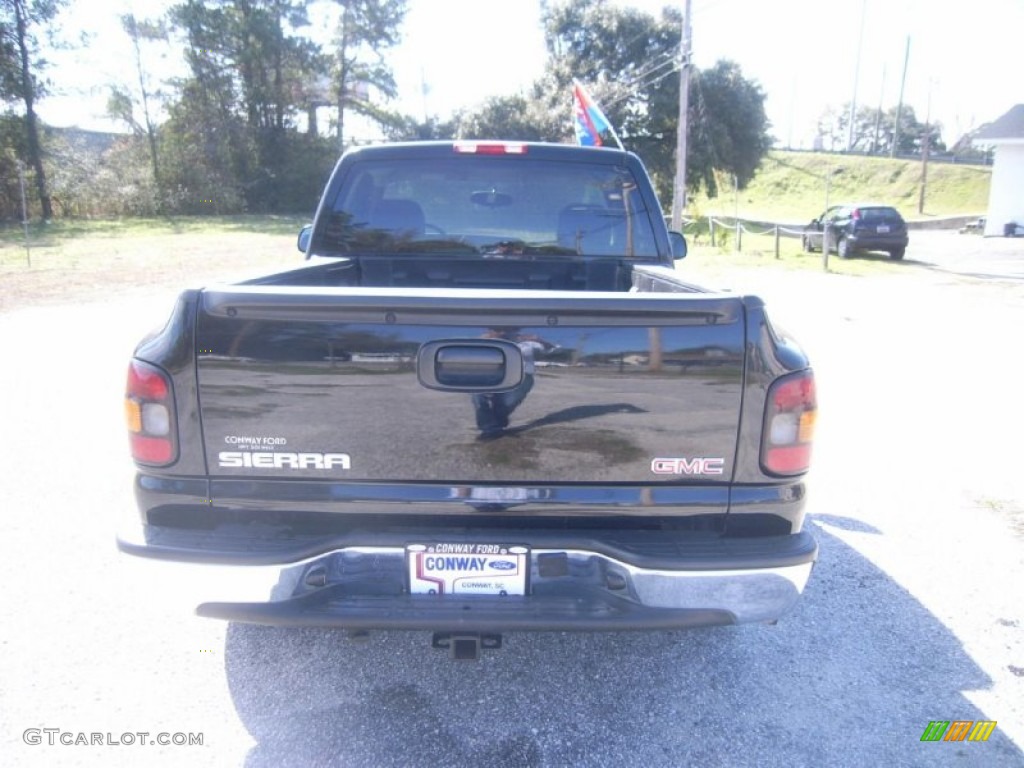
[[252, 75], [206, 143], [12, 147], [874, 132], [19, 48], [626, 58], [432, 129], [629, 62], [833, 128], [912, 132], [121, 103], [92, 175], [366, 30], [729, 127], [511, 117], [249, 76], [275, 62]]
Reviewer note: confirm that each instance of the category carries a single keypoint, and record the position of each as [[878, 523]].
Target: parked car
[[857, 228], [976, 227]]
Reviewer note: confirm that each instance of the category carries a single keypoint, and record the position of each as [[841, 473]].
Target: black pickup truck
[[485, 402]]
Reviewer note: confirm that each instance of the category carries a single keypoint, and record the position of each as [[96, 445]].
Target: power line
[[652, 76], [666, 64], [670, 56]]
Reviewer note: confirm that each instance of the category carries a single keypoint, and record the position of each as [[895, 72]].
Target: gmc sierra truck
[[485, 402]]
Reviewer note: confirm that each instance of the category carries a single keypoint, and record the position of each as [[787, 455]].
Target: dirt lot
[[112, 260], [912, 614]]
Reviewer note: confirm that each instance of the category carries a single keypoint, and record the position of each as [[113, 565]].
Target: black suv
[[853, 228]]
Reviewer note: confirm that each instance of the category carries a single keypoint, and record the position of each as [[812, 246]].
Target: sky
[[964, 66]]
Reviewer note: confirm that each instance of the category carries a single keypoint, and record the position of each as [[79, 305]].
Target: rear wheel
[[843, 248], [897, 253]]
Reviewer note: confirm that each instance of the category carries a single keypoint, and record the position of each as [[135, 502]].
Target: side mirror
[[304, 235], [815, 223], [678, 243]]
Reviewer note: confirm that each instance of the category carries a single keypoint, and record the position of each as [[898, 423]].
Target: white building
[[1006, 194]]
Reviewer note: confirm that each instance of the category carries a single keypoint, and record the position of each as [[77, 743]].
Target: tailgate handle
[[470, 365]]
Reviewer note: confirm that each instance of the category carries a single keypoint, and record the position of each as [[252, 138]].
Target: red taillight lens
[[152, 450], [149, 413], [789, 419], [146, 382], [492, 148]]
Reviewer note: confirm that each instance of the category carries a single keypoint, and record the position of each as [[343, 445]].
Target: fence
[[974, 157], [719, 229]]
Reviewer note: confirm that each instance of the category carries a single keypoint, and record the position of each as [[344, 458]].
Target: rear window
[[880, 213], [487, 205]]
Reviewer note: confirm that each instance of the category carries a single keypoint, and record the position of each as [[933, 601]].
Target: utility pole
[[925, 145], [878, 114], [24, 212], [679, 191], [424, 92], [856, 77], [899, 105]]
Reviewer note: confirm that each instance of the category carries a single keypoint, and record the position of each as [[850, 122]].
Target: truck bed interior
[[558, 274]]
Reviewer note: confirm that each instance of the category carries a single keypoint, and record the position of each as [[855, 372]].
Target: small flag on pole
[[588, 119]]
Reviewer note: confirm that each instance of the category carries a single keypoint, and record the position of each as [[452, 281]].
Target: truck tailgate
[[464, 386]]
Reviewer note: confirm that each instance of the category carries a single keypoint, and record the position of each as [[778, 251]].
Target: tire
[[897, 253], [843, 248], [808, 248]]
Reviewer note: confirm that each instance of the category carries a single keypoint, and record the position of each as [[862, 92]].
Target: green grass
[[759, 253], [790, 187]]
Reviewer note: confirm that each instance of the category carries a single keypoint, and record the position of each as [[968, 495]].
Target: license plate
[[883, 229], [467, 569]]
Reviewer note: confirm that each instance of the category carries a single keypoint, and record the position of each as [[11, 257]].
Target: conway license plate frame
[[460, 568]]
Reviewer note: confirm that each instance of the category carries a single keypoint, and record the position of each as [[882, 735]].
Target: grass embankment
[[790, 188]]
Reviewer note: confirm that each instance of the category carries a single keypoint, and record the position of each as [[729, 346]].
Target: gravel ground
[[912, 614]]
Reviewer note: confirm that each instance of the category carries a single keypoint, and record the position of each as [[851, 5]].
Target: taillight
[[149, 413], [489, 148], [789, 425]]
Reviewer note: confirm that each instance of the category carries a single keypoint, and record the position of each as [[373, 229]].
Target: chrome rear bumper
[[364, 587]]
